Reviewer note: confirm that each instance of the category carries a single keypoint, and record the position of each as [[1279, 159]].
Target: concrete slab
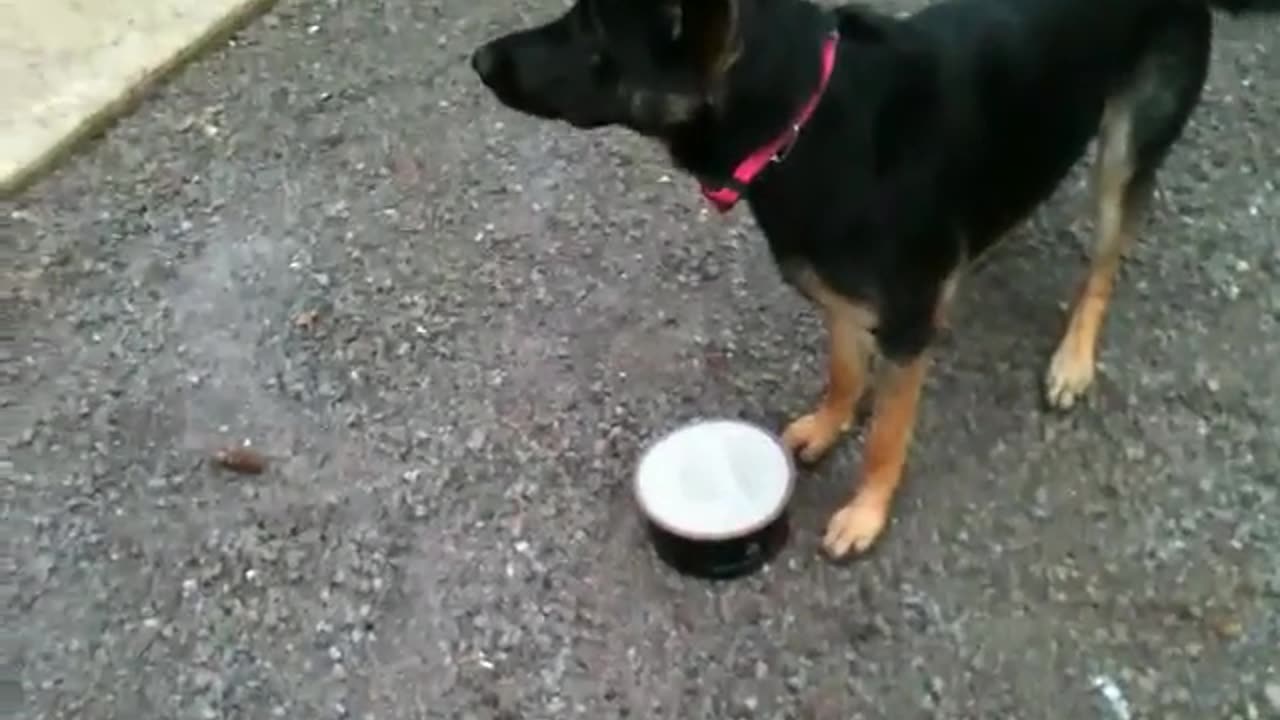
[[69, 66]]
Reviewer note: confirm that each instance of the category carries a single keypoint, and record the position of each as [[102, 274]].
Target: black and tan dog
[[879, 155]]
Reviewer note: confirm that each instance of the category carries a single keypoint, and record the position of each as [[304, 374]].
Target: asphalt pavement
[[450, 330]]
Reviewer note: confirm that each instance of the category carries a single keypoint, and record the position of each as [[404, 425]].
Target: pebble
[[1271, 691]]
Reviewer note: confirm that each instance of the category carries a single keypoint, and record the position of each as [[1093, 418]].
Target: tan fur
[[1072, 368], [849, 353], [720, 41], [859, 523]]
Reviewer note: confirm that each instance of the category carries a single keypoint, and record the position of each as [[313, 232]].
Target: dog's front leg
[[850, 346], [857, 525]]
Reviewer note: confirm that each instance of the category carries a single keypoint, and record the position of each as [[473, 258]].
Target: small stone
[[1227, 625], [1271, 691], [306, 320]]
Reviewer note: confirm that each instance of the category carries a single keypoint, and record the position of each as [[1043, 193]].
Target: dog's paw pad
[[855, 527], [812, 435], [1069, 377]]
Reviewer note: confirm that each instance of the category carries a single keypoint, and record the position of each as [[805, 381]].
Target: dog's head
[[649, 65]]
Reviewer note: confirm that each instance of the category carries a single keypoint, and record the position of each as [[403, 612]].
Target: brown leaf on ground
[[241, 459]]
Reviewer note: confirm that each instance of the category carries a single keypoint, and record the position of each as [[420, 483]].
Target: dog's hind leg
[[1117, 217], [1138, 126]]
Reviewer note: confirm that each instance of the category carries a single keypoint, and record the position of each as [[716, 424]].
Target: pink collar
[[726, 196]]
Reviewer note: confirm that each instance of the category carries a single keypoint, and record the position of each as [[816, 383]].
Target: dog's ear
[[710, 27]]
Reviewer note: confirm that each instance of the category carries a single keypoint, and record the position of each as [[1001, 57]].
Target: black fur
[[937, 134]]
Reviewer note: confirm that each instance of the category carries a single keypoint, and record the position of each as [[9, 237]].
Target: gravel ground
[[451, 328]]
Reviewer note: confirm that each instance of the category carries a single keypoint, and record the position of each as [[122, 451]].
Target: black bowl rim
[[723, 536]]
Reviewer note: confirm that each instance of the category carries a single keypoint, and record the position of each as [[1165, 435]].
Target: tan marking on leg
[[850, 347], [857, 525], [1071, 370], [848, 353], [946, 297]]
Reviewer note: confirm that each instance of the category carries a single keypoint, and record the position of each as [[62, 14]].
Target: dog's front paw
[[812, 435], [855, 526], [1070, 374]]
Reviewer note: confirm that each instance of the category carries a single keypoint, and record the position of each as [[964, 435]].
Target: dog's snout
[[485, 61], [519, 69]]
